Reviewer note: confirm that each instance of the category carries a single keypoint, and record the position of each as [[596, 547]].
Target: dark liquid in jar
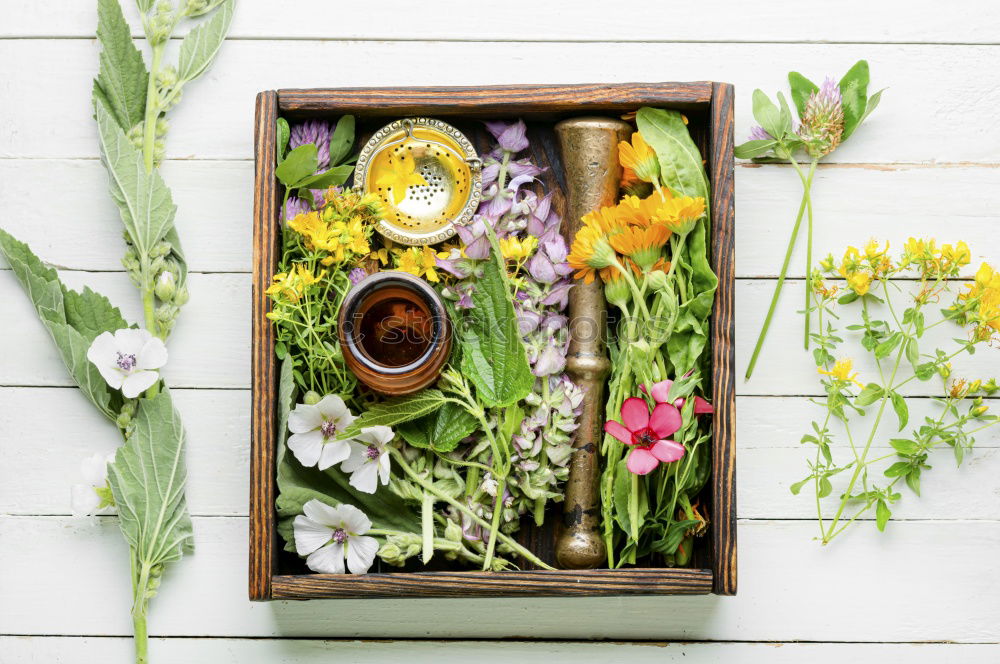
[[395, 332]]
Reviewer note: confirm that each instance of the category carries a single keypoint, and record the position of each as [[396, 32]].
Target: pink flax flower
[[661, 394], [646, 433]]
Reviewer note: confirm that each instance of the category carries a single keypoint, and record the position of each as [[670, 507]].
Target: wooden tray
[[709, 108]]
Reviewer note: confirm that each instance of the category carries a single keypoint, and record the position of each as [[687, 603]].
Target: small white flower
[[315, 429], [93, 494], [128, 359], [329, 535], [369, 460]]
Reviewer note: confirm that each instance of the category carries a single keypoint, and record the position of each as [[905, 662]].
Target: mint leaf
[[201, 44], [493, 355], [91, 313], [147, 479], [122, 77], [47, 294], [441, 430], [399, 409], [143, 199]]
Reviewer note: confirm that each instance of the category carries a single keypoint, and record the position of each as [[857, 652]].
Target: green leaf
[[396, 410], [801, 88], [143, 199], [848, 298], [797, 487], [898, 469], [785, 116], [754, 148], [767, 114], [872, 104], [681, 166], [122, 78], [441, 430], [869, 395], [899, 405], [825, 487], [334, 177], [284, 133], [47, 294], [882, 515], [905, 446], [342, 139], [147, 479], [854, 93], [201, 44], [91, 313], [297, 166], [925, 371], [493, 355], [913, 480], [912, 351]]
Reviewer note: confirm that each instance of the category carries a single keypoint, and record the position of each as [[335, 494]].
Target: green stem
[[152, 111], [780, 284], [494, 524], [139, 605], [427, 526], [807, 196]]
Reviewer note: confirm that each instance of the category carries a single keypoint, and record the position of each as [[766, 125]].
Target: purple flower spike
[[558, 296], [541, 268], [316, 132], [511, 137], [551, 361], [356, 275], [757, 133], [294, 207]]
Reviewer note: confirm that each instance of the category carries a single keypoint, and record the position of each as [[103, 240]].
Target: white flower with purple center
[[330, 535], [128, 360], [315, 429], [93, 495], [369, 460]]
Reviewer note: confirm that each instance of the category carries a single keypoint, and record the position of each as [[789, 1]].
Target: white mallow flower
[[128, 359], [93, 494], [369, 460], [329, 535], [315, 429]]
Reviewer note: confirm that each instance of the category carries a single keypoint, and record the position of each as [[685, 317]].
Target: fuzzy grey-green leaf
[[147, 479], [203, 42], [122, 77]]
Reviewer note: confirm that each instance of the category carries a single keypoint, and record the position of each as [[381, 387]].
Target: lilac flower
[[356, 275], [823, 120], [757, 133], [294, 207], [316, 132], [511, 137]]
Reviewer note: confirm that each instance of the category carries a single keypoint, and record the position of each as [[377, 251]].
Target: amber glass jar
[[394, 332]]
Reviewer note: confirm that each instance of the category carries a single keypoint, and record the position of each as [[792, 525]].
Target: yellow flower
[[640, 158], [399, 177], [842, 372], [517, 250], [311, 227], [293, 285], [873, 253], [643, 245], [851, 269], [957, 255], [605, 219], [678, 213], [859, 282], [590, 252], [420, 262]]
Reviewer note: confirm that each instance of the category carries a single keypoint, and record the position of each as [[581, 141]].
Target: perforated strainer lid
[[428, 176]]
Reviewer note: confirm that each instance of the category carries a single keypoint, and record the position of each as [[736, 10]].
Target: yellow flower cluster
[[632, 233], [933, 262], [861, 269], [292, 285], [420, 262], [981, 303], [842, 371], [341, 228]]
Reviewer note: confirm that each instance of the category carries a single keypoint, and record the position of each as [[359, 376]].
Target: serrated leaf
[[441, 430], [681, 166], [396, 410], [91, 313], [46, 293], [199, 47], [854, 94], [147, 479], [122, 78], [493, 355], [882, 514], [801, 88], [143, 199]]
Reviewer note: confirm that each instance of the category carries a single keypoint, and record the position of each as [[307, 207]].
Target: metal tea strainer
[[428, 176]]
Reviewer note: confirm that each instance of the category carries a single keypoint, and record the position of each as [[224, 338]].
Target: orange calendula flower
[[640, 158], [590, 252], [643, 245]]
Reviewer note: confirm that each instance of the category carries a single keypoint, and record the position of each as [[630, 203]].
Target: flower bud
[[182, 296], [658, 280], [617, 292], [311, 398], [945, 370], [979, 411], [453, 532], [162, 127], [391, 554], [166, 286]]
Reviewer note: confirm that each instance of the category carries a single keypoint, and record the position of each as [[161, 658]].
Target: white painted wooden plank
[[790, 589], [71, 650], [42, 459], [210, 345], [943, 115], [560, 20], [214, 206]]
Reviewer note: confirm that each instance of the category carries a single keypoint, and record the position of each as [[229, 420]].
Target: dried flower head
[[823, 120]]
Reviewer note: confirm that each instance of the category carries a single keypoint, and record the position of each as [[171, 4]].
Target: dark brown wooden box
[[709, 107]]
